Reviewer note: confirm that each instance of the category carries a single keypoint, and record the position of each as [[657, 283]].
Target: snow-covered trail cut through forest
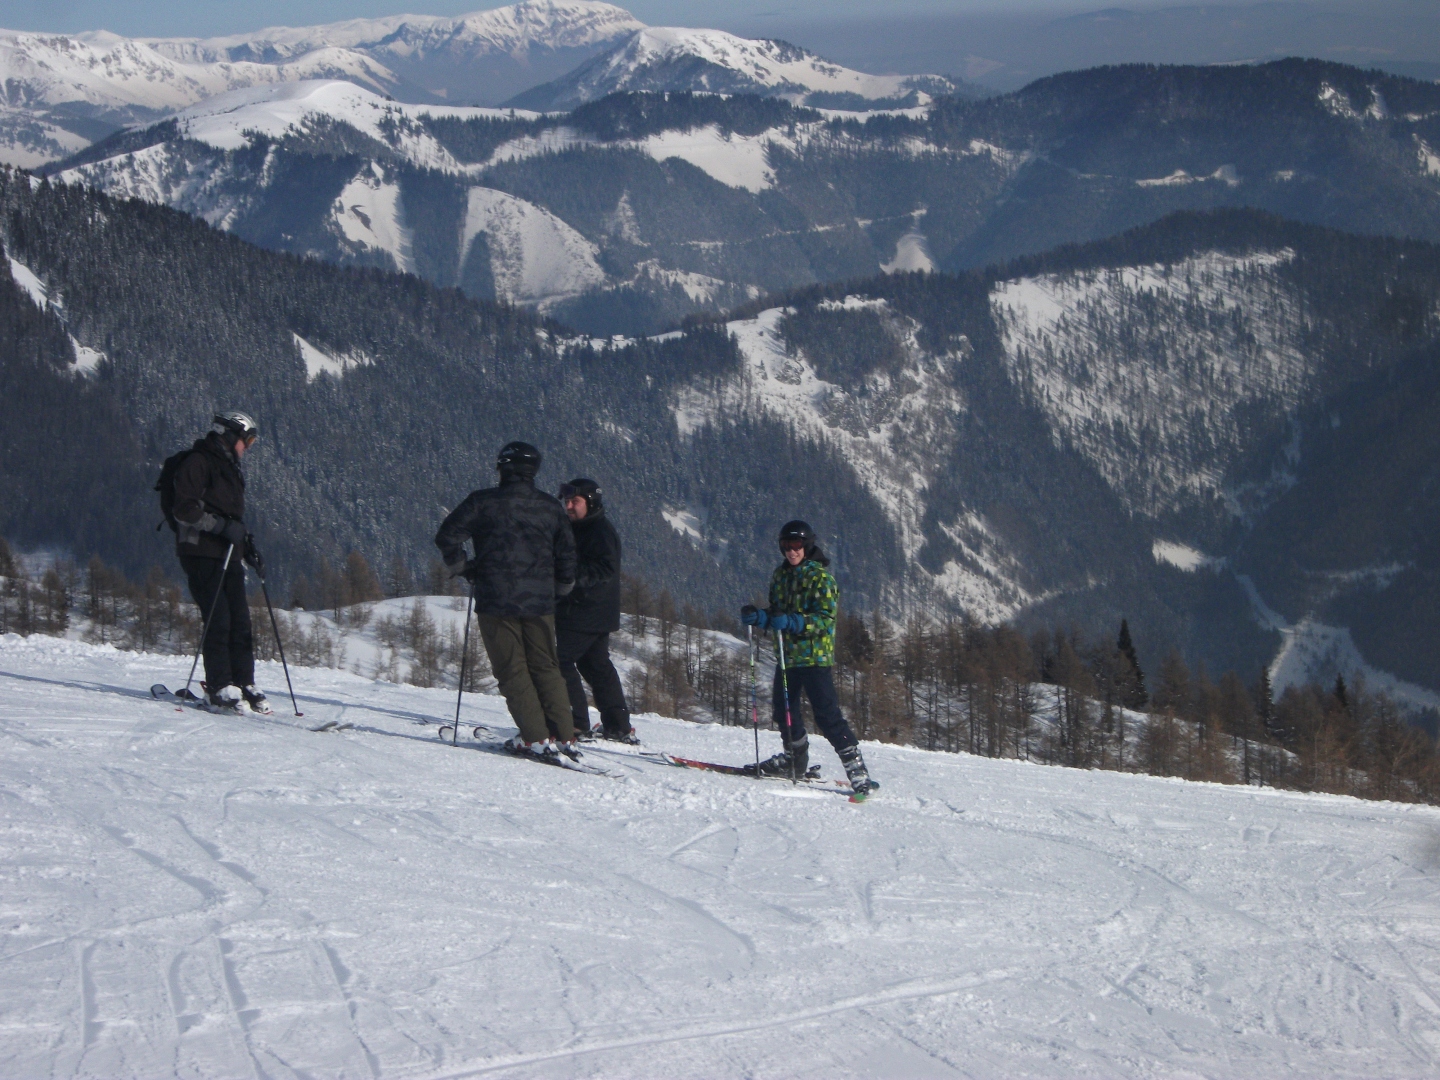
[[190, 895]]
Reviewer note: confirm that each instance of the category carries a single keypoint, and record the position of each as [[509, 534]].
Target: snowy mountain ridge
[[60, 90], [679, 58], [511, 30]]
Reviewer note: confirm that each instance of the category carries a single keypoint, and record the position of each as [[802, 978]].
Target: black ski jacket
[[209, 488], [594, 605], [523, 547]]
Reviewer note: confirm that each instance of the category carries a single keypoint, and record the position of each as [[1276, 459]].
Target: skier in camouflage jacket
[[803, 602]]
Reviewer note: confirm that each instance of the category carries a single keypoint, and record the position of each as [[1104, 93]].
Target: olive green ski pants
[[522, 656]]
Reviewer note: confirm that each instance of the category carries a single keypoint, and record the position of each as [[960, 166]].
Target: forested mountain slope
[[1109, 430], [630, 212]]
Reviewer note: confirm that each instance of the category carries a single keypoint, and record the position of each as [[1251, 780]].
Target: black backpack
[[166, 487]]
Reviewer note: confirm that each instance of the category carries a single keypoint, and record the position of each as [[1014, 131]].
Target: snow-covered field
[[193, 895]]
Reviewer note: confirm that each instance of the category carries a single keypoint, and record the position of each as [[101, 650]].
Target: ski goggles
[[793, 545]]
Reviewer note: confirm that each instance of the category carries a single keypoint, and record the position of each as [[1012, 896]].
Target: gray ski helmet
[[238, 424], [797, 531], [586, 488], [519, 457]]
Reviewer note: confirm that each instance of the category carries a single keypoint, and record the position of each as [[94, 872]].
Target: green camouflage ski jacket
[[807, 590]]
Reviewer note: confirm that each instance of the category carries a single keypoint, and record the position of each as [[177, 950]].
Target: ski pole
[[754, 709], [464, 656], [205, 630], [785, 686], [275, 626]]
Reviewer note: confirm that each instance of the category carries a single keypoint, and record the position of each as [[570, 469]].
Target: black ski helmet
[[238, 424], [800, 531], [518, 457], [797, 530], [589, 489]]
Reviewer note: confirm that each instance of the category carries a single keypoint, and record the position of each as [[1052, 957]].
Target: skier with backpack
[[524, 558], [202, 495], [804, 600]]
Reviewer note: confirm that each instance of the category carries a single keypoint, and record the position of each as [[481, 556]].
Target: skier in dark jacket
[[804, 600], [585, 619], [524, 558], [209, 514]]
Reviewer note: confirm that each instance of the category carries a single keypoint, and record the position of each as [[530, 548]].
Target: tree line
[[1057, 696]]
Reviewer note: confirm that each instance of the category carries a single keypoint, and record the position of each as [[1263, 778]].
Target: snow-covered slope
[[678, 58], [51, 81], [535, 257], [192, 895], [509, 31], [896, 431], [1160, 413], [118, 74]]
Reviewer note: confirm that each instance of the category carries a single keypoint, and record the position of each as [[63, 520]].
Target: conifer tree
[[1136, 696]]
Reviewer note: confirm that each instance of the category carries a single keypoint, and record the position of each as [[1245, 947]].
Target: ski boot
[[860, 782], [256, 700], [628, 737], [570, 749], [793, 761], [545, 751], [226, 699]]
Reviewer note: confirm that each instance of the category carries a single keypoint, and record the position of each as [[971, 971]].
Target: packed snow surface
[[192, 895]]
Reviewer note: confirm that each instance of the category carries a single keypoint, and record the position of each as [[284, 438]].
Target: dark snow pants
[[522, 656], [588, 655], [818, 684], [229, 647]]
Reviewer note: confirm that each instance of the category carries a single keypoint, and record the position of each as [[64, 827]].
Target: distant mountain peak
[[675, 58], [550, 24], [64, 91]]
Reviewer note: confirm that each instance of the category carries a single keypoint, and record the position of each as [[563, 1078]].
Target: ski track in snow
[[186, 894]]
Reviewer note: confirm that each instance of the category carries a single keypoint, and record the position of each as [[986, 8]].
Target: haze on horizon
[[998, 45]]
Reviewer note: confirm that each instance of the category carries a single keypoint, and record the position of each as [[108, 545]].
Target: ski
[[490, 741], [182, 698], [812, 777]]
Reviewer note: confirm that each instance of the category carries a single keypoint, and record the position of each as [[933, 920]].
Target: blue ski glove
[[788, 624], [750, 615]]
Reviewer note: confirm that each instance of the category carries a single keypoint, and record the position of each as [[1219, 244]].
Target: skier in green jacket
[[803, 602]]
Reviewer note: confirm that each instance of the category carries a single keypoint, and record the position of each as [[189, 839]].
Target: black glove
[[562, 588], [470, 571], [233, 532], [253, 557]]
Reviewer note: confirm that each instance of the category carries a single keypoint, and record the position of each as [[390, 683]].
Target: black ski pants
[[229, 647], [818, 684], [588, 655]]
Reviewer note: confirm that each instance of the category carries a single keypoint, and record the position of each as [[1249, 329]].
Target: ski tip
[[444, 732], [160, 690], [859, 796]]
